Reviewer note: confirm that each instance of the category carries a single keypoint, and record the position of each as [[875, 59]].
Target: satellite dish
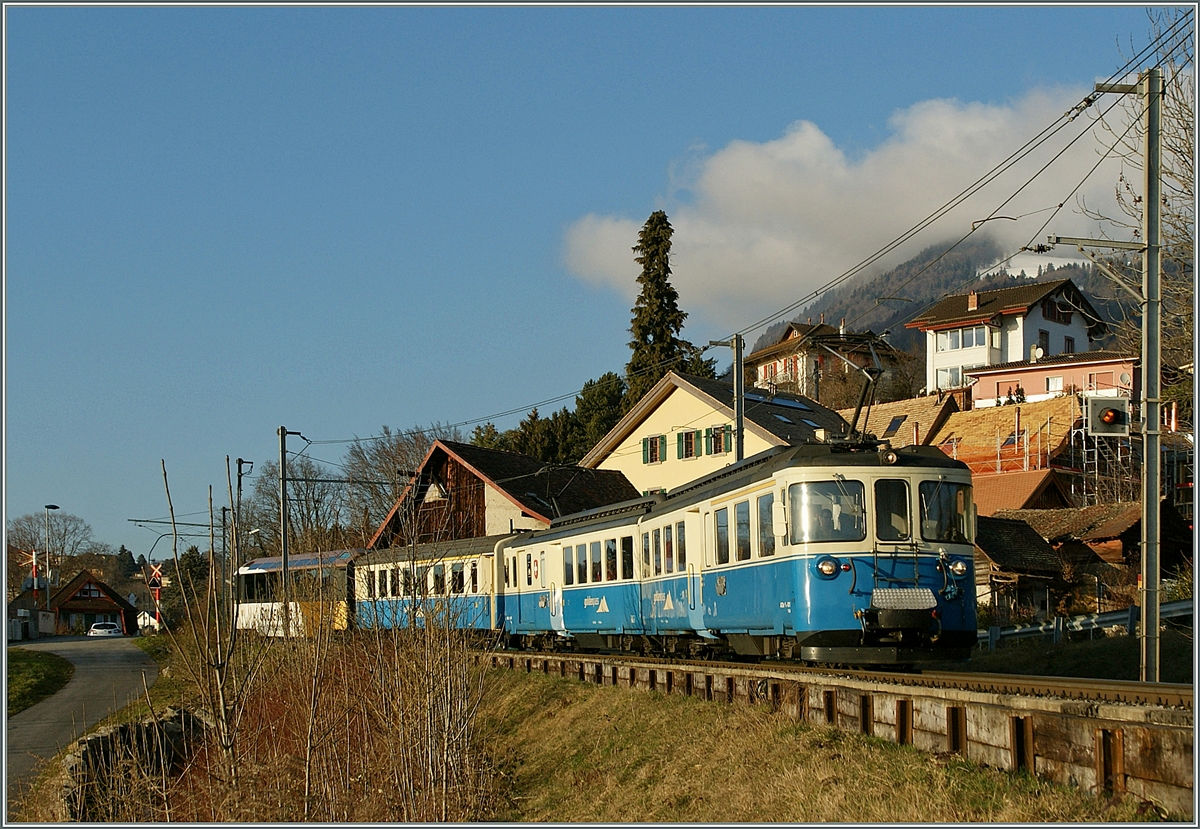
[[1125, 378], [1037, 352]]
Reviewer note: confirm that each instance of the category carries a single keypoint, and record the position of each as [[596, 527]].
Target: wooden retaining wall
[[1140, 751]]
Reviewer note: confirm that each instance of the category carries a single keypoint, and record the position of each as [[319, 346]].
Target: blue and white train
[[849, 553]]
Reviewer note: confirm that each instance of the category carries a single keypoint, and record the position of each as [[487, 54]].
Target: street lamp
[[46, 550]]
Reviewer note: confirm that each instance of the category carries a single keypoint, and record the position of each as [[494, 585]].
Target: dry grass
[[573, 752]]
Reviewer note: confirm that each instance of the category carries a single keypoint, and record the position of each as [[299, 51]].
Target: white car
[[105, 629]]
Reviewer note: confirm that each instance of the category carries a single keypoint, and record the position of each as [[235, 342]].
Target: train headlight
[[827, 567], [958, 568]]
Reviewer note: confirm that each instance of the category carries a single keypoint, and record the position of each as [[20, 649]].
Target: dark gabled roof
[[952, 311], [1015, 547], [1101, 522], [544, 489], [65, 592], [1058, 359], [792, 418]]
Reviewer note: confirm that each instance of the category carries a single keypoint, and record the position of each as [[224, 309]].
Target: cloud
[[767, 223]]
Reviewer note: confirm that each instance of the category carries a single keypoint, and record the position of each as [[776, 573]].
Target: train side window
[[457, 579], [610, 559], [597, 563], [568, 564], [668, 550], [680, 547], [721, 517], [370, 584], [507, 583], [892, 520], [395, 581], [742, 515], [581, 564], [766, 532], [529, 569], [423, 581], [439, 579], [645, 554], [627, 557], [474, 577], [658, 552], [406, 581]]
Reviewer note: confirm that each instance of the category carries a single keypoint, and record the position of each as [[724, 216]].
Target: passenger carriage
[[398, 587], [321, 590]]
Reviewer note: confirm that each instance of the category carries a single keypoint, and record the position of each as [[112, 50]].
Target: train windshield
[[945, 512], [826, 511]]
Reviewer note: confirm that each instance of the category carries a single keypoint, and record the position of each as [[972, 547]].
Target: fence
[[1059, 625]]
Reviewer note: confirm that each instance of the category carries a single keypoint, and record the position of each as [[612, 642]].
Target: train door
[[646, 581], [554, 579]]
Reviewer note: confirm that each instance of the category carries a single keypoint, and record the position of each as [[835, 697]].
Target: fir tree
[[657, 319]]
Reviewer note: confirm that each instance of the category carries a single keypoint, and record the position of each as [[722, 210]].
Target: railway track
[[1099, 691]]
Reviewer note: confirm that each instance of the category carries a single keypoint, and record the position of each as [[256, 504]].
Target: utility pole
[[283, 527], [237, 526], [1150, 85], [739, 395]]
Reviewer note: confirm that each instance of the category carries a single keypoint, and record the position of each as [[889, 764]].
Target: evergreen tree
[[657, 319], [597, 410]]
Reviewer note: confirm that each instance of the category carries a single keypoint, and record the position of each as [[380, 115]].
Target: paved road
[[108, 676]]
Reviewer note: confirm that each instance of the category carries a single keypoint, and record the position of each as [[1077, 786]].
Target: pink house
[[1094, 373]]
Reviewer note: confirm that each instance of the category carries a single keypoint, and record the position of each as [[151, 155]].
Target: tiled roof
[[1009, 490], [1015, 547], [1003, 300], [1094, 523], [899, 416], [81, 578], [974, 433], [782, 414], [1058, 359]]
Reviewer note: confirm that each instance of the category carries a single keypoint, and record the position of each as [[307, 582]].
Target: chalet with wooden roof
[[80, 603], [1014, 568], [988, 328], [682, 429], [1110, 531], [792, 362], [466, 491], [912, 422]]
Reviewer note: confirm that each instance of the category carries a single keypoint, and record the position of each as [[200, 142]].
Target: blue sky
[[220, 220]]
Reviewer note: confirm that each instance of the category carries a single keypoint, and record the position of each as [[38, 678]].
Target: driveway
[[108, 676]]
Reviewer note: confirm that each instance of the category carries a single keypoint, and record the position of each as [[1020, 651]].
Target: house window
[[1044, 342], [1054, 384], [1068, 345], [686, 444], [654, 449], [949, 378], [894, 425], [717, 440]]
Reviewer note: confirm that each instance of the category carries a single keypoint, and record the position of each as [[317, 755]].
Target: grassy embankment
[[573, 752], [33, 676]]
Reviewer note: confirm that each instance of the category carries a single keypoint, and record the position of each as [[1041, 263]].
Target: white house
[[987, 328]]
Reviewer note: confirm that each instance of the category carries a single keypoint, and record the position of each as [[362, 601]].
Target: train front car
[[883, 564]]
